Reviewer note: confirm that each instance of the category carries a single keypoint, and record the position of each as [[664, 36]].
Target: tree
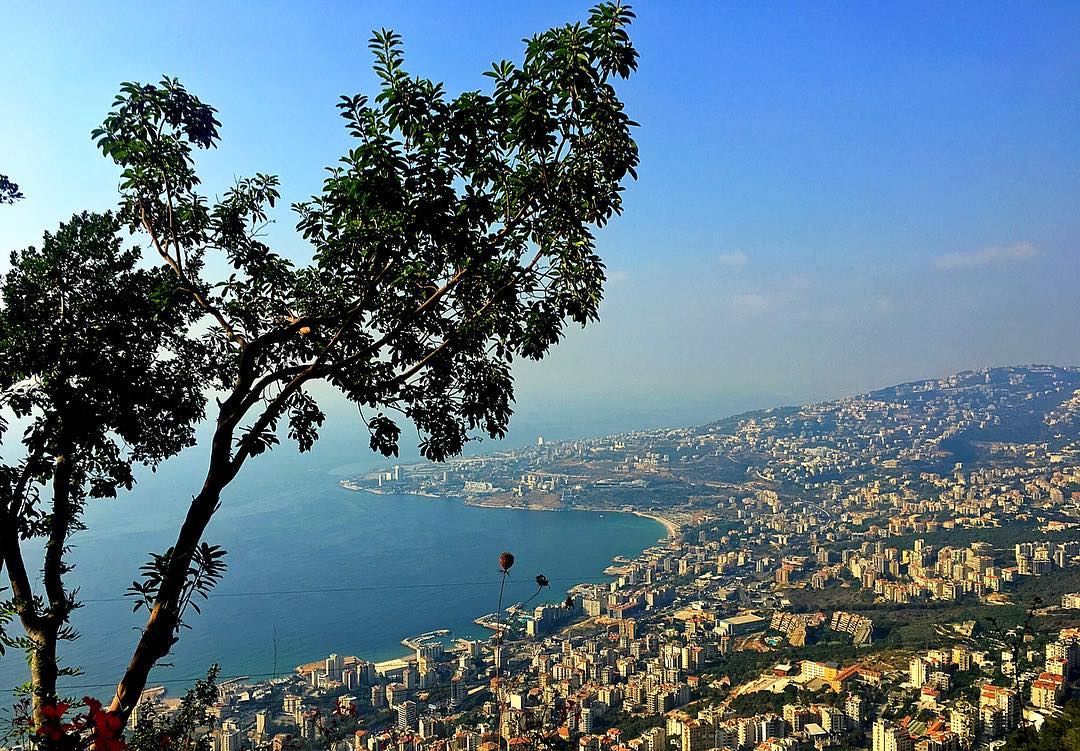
[[1058, 733], [456, 235], [9, 191], [184, 729], [94, 357]]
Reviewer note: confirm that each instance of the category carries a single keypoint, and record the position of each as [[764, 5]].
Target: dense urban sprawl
[[895, 571]]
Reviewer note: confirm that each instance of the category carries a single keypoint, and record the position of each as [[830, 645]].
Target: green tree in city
[[454, 236], [1058, 733]]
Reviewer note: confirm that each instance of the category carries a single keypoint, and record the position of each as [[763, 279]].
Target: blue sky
[[833, 196]]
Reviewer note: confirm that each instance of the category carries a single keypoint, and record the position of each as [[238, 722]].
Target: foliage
[[92, 352], [95, 361], [630, 725], [455, 235], [49, 728], [182, 730], [9, 191], [1015, 637], [204, 572], [1058, 733], [760, 702], [335, 727]]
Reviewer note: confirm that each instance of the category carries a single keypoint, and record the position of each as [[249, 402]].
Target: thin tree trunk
[[39, 629], [160, 632], [43, 667]]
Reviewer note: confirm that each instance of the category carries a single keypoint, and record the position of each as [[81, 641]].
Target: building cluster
[[800, 526]]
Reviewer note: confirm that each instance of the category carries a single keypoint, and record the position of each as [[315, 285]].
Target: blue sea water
[[402, 565]]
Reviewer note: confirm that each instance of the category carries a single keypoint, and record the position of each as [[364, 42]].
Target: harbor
[[426, 639]]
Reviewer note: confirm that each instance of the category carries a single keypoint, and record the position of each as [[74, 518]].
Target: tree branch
[[20, 581], [59, 527], [455, 335], [199, 298]]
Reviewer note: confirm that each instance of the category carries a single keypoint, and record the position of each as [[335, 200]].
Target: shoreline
[[670, 526]]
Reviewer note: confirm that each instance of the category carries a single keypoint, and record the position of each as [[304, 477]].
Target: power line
[[368, 588], [323, 590]]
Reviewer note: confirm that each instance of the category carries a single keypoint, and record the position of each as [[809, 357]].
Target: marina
[[426, 639]]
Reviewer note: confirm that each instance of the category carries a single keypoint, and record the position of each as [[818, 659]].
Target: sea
[[316, 569]]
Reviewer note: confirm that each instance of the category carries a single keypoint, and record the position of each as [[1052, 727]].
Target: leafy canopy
[[95, 361], [93, 355], [455, 235]]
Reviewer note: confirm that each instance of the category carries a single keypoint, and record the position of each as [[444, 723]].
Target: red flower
[[51, 726], [54, 712], [107, 727]]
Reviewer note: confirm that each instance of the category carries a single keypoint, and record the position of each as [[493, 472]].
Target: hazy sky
[[833, 196]]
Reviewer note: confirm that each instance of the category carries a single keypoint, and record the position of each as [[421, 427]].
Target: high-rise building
[[917, 671], [334, 665], [697, 735], [586, 725], [230, 735], [430, 727], [855, 709], [429, 651], [1064, 649], [1047, 690], [396, 693], [963, 722], [457, 691], [348, 678], [307, 723], [770, 726], [262, 723], [407, 715], [886, 736], [961, 657], [999, 710]]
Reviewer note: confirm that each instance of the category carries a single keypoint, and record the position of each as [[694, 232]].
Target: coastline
[[671, 527]]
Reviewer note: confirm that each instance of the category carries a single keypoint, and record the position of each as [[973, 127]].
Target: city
[[412, 375], [859, 588]]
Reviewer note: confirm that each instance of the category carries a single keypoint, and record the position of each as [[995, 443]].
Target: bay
[[325, 569]]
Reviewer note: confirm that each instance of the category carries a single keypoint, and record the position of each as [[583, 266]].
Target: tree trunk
[[160, 632], [43, 668]]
